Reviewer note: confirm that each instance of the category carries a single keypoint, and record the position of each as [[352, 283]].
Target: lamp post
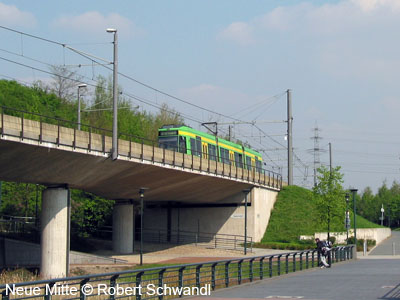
[[246, 192], [382, 211], [141, 193], [114, 151], [347, 217], [82, 85], [354, 191]]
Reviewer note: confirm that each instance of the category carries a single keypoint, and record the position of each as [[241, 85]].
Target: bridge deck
[[39, 152]]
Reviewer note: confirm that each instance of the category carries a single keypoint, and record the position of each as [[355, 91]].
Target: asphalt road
[[386, 247], [360, 279]]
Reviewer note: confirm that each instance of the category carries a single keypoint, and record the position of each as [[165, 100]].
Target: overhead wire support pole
[[289, 137], [114, 151]]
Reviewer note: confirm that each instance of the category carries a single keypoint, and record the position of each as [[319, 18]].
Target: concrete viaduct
[[61, 157]]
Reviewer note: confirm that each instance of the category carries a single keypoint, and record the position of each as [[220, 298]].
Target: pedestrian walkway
[[360, 279], [386, 247]]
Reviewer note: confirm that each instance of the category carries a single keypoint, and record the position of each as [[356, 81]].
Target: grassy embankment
[[295, 214]]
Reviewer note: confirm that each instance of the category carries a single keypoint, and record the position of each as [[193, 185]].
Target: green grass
[[295, 214]]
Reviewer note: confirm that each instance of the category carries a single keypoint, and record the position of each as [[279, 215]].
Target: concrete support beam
[[55, 223], [123, 227]]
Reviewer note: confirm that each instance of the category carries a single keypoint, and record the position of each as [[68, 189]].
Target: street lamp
[[82, 85], [382, 211], [354, 191], [114, 151], [347, 217], [141, 193], [245, 192]]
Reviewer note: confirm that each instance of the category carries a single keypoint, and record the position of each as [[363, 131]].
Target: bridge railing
[[171, 281], [59, 132]]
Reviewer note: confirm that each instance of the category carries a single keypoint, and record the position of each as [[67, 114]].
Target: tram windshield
[[170, 142]]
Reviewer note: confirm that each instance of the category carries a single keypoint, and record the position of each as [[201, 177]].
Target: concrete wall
[[219, 220], [377, 234]]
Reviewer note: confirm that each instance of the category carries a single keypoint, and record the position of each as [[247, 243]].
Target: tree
[[65, 82], [329, 196]]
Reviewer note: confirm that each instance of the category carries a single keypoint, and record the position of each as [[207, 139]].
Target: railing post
[[262, 267], [113, 280], [130, 147], [192, 162], [240, 271], [160, 282], [47, 296], [183, 160], [198, 275], [251, 269], [294, 262], [180, 279], [227, 274], [40, 130], [141, 153], [103, 142], [163, 159], [173, 159], [82, 294], [2, 123], [307, 259], [215, 242], [213, 284], [138, 283], [22, 127], [74, 141], [4, 294], [153, 156], [58, 133], [313, 259], [270, 265], [301, 261], [90, 139], [287, 263], [279, 265]]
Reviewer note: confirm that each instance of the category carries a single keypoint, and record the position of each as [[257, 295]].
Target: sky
[[236, 59]]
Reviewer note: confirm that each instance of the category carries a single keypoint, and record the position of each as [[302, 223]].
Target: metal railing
[[171, 281], [183, 237], [44, 129], [210, 240]]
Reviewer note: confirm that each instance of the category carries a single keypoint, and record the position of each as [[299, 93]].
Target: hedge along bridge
[[49, 151], [188, 278]]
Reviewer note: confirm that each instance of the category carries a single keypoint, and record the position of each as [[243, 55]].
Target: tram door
[[232, 158], [205, 150]]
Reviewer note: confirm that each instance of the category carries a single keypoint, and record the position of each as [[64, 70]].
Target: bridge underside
[[120, 179]]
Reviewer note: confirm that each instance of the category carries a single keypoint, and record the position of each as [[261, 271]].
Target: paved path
[[361, 279], [385, 248]]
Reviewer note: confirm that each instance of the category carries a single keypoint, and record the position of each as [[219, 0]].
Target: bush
[[332, 239], [360, 243], [284, 246]]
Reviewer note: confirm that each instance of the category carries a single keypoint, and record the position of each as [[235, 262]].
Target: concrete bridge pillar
[[55, 224], [123, 232]]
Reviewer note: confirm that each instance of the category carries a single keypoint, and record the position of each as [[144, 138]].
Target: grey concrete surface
[[360, 279], [386, 247], [62, 156]]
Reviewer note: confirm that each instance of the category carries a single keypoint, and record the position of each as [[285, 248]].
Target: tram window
[[170, 142], [258, 165], [248, 162], [193, 147], [182, 144], [225, 156], [212, 152], [239, 160], [198, 144]]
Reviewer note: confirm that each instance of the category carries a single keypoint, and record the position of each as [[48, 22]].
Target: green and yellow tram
[[190, 141]]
